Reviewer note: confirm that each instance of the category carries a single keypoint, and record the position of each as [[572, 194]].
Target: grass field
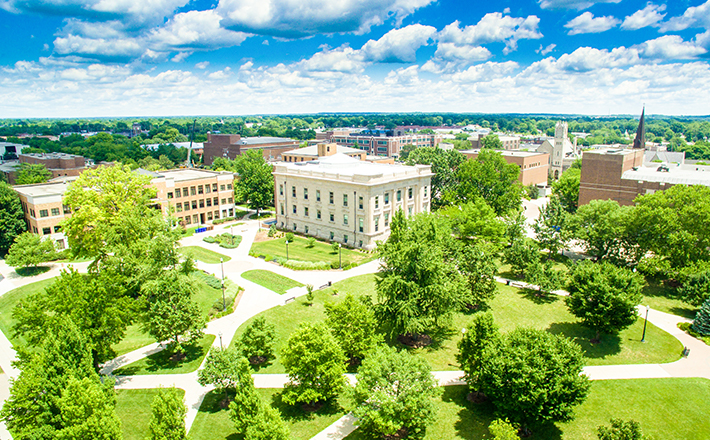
[[664, 299], [204, 255], [133, 408], [213, 423], [9, 300], [272, 281], [297, 250], [666, 408], [511, 307], [160, 362]]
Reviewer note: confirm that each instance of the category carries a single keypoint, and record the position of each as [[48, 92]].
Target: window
[[209, 202], [194, 206], [377, 202], [178, 207], [230, 200], [411, 192], [293, 191], [184, 192], [200, 189], [209, 214], [425, 190], [46, 231], [67, 210], [216, 214], [281, 190], [294, 226], [361, 224], [34, 229], [214, 187], [294, 209], [57, 229], [55, 211], [282, 209], [306, 229], [410, 211], [32, 212], [187, 219], [387, 198], [177, 192], [332, 236], [360, 243], [229, 186], [170, 195], [193, 191], [202, 203], [387, 219], [345, 219], [43, 213], [345, 200], [345, 238], [194, 219], [221, 187], [399, 195], [208, 189], [305, 211], [224, 201], [377, 223], [305, 193], [215, 201], [187, 206], [318, 214], [359, 202], [330, 197], [317, 195]]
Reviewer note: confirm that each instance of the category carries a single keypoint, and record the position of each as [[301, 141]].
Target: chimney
[[327, 149]]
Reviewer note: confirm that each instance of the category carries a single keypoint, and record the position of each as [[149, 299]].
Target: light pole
[[224, 301], [643, 337], [220, 341], [231, 233], [340, 255], [287, 249]]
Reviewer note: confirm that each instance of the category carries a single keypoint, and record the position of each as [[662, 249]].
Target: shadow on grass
[[472, 419], [686, 312], [511, 275], [32, 271], [211, 405], [609, 345], [291, 413], [165, 360], [657, 289], [539, 297]]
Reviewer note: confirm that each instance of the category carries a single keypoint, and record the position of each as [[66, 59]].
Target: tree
[[701, 323], [245, 407], [257, 341], [267, 425], [476, 222], [479, 334], [544, 276], [479, 269], [600, 227], [567, 189], [405, 150], [695, 283], [12, 219], [621, 430], [223, 368], [522, 255], [95, 303], [29, 173], [444, 164], [353, 324], [30, 250], [256, 183], [604, 296], [492, 141], [491, 178], [419, 285], [394, 394], [532, 377], [170, 312], [167, 420], [550, 226], [502, 430], [88, 410], [315, 365]]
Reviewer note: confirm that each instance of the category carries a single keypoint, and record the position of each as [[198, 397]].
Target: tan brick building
[[347, 200], [232, 145], [321, 150], [44, 210], [533, 166], [379, 144]]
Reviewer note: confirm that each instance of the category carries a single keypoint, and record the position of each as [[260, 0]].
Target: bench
[[293, 298]]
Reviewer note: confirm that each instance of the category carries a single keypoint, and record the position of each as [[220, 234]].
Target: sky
[[111, 58]]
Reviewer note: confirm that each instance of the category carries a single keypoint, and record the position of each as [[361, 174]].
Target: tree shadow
[[472, 419], [538, 296], [686, 312], [211, 405], [656, 288], [32, 271], [295, 413], [509, 274], [609, 345]]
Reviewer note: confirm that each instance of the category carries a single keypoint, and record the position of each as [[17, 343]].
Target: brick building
[[232, 145], [44, 210], [383, 143], [533, 166]]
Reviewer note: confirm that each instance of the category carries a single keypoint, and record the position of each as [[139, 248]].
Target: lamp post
[[220, 341], [231, 233], [643, 337], [287, 249], [224, 301], [340, 256]]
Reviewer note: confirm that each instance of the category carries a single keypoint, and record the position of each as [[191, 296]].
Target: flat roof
[[50, 155], [255, 140], [313, 150], [347, 166], [676, 174], [509, 153], [42, 189], [180, 175]]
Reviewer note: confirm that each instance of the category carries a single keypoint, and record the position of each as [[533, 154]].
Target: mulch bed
[[416, 340]]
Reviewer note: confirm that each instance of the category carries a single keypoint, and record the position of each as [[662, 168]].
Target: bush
[[272, 230], [208, 279], [303, 265], [289, 237], [311, 242], [209, 239]]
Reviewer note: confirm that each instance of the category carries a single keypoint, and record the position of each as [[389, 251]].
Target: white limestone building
[[343, 199], [562, 152]]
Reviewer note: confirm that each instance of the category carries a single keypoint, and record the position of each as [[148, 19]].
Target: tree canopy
[[567, 189], [256, 183], [12, 219], [353, 324], [30, 250], [28, 173], [444, 165], [167, 421], [491, 178]]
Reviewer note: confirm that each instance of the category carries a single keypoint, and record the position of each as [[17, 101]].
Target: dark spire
[[640, 141]]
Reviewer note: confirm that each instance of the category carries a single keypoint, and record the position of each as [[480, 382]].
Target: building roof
[[508, 153], [664, 156], [42, 189], [256, 140], [51, 155], [195, 145], [180, 175], [346, 166], [675, 174], [548, 145], [313, 150]]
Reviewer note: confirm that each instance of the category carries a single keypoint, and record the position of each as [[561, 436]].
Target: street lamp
[[224, 301], [220, 341], [231, 232], [340, 255], [643, 337], [287, 249]]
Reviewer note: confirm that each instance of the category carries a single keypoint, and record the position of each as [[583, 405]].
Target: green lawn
[[204, 255], [297, 250], [511, 307], [272, 281], [134, 339], [233, 225], [133, 408], [160, 362], [666, 409], [213, 422], [664, 299], [9, 300]]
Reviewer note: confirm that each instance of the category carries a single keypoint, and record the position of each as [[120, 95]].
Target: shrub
[[272, 230], [209, 239], [334, 246], [289, 237], [208, 279], [311, 242]]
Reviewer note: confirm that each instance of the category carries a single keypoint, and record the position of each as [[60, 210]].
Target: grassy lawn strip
[[9, 300], [133, 408], [511, 307], [213, 422], [272, 281], [297, 250], [204, 255], [160, 362]]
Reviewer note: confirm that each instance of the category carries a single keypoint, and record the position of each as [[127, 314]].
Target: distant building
[[561, 151], [232, 145], [383, 142], [11, 150], [343, 199], [509, 142], [321, 150], [59, 164], [533, 166]]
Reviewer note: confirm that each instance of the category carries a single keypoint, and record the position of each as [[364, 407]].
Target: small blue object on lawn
[[198, 230]]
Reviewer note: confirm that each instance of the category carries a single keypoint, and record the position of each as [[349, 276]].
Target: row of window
[[195, 218], [361, 221], [331, 196], [47, 231], [195, 204], [199, 189], [45, 212]]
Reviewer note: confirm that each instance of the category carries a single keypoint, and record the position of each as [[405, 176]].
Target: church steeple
[[640, 140]]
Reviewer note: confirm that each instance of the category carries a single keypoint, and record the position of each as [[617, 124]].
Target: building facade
[[561, 151], [232, 145], [379, 143], [314, 152], [44, 210], [339, 198]]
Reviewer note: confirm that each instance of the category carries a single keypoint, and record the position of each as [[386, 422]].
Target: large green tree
[[30, 250], [223, 369], [394, 394], [567, 189], [601, 228], [476, 222], [478, 266], [491, 178], [604, 296], [533, 377], [550, 226], [492, 141], [88, 410], [246, 406], [257, 341], [353, 324], [256, 183], [477, 336], [444, 164], [28, 173], [315, 365], [167, 421], [12, 219]]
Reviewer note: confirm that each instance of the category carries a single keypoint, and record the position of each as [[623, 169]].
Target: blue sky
[[83, 58]]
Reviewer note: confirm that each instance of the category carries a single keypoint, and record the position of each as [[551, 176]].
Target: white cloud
[[202, 65], [180, 56], [398, 45], [493, 27], [342, 59], [545, 50], [694, 16], [302, 18], [671, 47], [126, 49], [648, 16], [465, 54], [586, 23], [572, 4], [220, 74], [485, 72]]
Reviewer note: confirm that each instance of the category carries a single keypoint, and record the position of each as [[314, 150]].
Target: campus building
[[314, 152], [382, 142], [508, 142], [343, 199], [44, 210], [561, 152], [533, 165], [59, 164], [232, 145]]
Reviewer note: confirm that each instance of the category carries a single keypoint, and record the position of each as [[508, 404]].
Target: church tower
[[558, 150]]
